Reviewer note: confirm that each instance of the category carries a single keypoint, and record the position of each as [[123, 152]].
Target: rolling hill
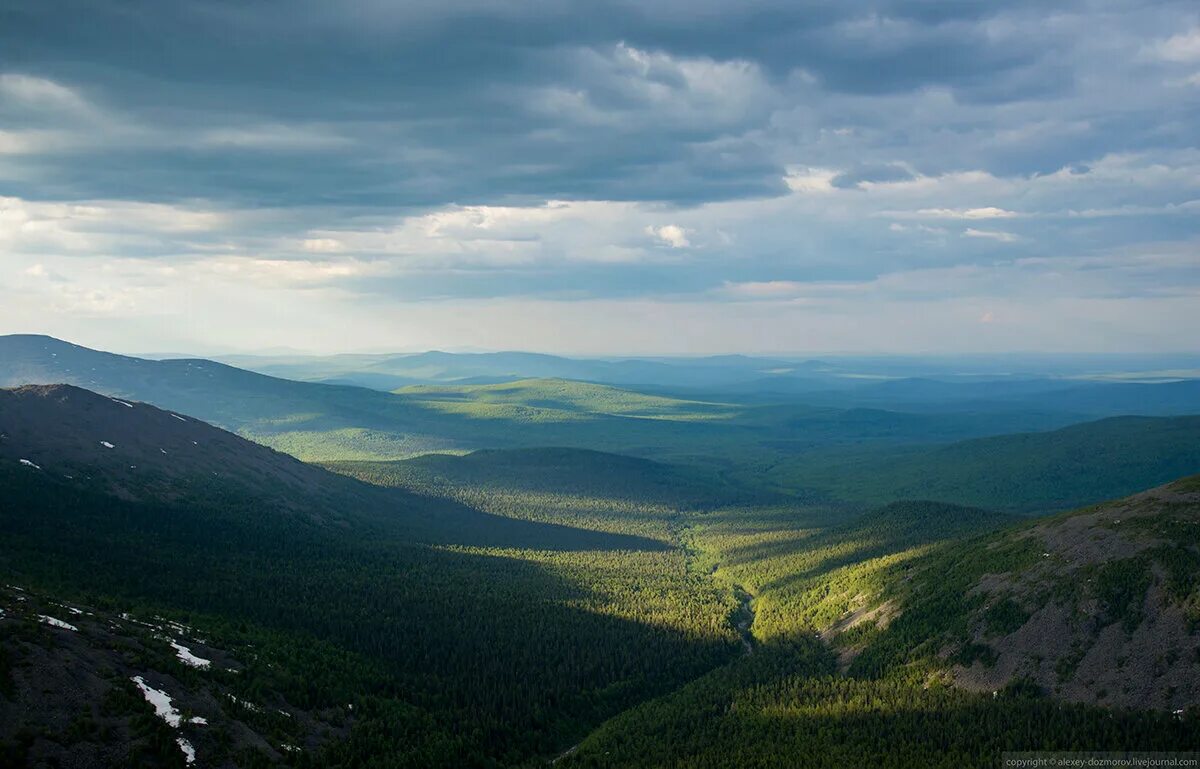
[[1027, 472], [326, 422], [393, 371], [575, 487], [1098, 605], [60, 442]]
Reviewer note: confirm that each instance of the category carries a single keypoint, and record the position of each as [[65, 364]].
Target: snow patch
[[52, 622], [189, 753], [247, 705], [161, 702], [107, 445], [123, 403], [181, 419], [186, 657], [198, 720], [27, 463]]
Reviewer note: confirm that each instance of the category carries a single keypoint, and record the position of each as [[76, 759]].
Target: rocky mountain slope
[[1099, 605], [81, 686]]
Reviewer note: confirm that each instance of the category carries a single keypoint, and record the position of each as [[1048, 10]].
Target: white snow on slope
[[123, 403], [247, 705], [27, 463], [107, 445], [161, 702], [186, 657], [181, 419], [189, 753], [52, 622]]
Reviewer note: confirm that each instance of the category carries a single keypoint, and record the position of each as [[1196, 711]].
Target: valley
[[534, 595]]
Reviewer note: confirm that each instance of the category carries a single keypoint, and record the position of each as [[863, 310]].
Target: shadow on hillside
[[501, 649], [444, 521]]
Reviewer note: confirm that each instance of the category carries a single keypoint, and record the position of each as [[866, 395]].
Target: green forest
[[515, 607]]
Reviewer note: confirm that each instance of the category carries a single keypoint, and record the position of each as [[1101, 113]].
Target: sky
[[608, 177]]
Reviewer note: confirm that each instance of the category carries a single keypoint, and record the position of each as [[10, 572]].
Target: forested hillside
[[895, 641], [1026, 473], [466, 638], [1098, 605], [511, 606]]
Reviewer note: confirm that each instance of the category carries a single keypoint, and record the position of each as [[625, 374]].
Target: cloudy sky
[[616, 176]]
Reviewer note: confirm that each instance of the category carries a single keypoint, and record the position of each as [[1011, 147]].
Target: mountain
[[60, 442], [1098, 605], [328, 422], [135, 451], [456, 636], [922, 624], [1026, 472]]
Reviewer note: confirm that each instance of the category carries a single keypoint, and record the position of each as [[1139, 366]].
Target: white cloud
[[810, 179], [274, 137], [923, 228], [322, 245], [999, 235], [1184, 47], [275, 273], [33, 142], [101, 227], [766, 289], [670, 235], [39, 93], [986, 212]]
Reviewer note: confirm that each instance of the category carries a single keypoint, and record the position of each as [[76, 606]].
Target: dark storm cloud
[[409, 105]]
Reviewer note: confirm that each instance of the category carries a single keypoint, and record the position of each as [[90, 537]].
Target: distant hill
[[1026, 472], [575, 487], [327, 422], [313, 420], [63, 447], [237, 400], [1015, 395], [556, 399], [1098, 605], [397, 370]]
